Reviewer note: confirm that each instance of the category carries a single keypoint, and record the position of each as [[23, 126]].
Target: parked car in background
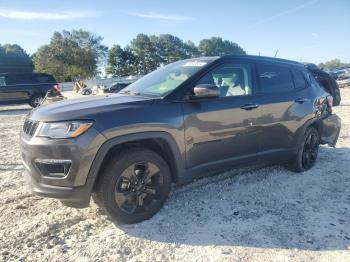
[[326, 81], [344, 80], [28, 88], [183, 121], [116, 87]]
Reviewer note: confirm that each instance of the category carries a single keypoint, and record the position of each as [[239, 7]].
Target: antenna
[[276, 53]]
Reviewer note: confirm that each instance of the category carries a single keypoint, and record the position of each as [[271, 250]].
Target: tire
[[133, 186], [307, 153], [87, 92], [36, 100]]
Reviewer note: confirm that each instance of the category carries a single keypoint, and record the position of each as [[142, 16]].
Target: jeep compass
[[183, 121]]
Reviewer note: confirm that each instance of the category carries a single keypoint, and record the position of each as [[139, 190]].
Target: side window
[[2, 81], [231, 79], [299, 80], [44, 79], [11, 79], [274, 78], [18, 79]]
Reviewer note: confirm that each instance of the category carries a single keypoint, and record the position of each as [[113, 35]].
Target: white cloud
[[29, 15], [281, 14], [152, 15]]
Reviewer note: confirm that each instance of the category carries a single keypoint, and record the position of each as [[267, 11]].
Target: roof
[[264, 59]]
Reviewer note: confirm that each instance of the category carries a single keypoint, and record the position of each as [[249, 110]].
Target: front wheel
[[134, 186], [307, 152]]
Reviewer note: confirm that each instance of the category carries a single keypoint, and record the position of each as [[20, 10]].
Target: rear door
[[284, 106], [222, 130]]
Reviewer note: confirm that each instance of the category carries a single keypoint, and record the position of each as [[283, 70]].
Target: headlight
[[69, 129]]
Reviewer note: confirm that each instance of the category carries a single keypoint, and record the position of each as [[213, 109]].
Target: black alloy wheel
[[133, 186], [137, 188], [310, 150]]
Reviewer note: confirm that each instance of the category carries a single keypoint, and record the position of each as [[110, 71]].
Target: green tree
[[191, 49], [14, 59], [144, 48], [215, 46], [121, 62], [171, 48], [332, 64], [146, 53], [70, 55]]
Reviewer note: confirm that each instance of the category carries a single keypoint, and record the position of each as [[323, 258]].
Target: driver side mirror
[[206, 91]]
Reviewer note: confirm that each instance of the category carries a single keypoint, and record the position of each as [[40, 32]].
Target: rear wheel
[[36, 100], [134, 186], [307, 152]]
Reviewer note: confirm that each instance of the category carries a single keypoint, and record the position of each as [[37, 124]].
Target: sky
[[301, 30]]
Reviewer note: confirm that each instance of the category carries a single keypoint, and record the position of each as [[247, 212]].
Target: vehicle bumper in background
[[330, 130]]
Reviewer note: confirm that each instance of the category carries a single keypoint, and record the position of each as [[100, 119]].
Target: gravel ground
[[250, 215]]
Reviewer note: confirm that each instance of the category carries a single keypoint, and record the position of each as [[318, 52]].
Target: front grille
[[30, 127]]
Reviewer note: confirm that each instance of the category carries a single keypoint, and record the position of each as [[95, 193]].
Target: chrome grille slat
[[29, 127]]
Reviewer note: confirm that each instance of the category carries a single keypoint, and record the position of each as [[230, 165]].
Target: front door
[[223, 129]]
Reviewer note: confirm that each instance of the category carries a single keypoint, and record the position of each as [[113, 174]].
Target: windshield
[[165, 79]]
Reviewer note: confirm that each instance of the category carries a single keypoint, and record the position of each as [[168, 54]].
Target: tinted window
[[299, 80], [231, 79], [19, 79], [274, 79], [11, 79], [43, 79]]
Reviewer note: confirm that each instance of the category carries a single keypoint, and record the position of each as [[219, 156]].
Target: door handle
[[249, 106], [301, 100]]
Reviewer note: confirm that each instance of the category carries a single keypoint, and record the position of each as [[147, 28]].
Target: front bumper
[[78, 197], [72, 189]]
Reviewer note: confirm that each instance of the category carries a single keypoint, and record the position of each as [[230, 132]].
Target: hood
[[86, 108]]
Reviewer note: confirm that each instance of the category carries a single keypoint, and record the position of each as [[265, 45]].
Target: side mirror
[[206, 91]]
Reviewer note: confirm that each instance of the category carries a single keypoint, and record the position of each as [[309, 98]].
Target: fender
[[106, 146], [328, 128]]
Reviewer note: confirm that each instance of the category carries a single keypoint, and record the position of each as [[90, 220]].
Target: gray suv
[[183, 121]]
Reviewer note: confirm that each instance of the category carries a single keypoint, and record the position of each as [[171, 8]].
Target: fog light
[[53, 167]]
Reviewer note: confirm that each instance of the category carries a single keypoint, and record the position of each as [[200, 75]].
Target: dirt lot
[[256, 215]]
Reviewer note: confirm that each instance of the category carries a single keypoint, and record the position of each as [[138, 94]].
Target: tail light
[[56, 88], [330, 102]]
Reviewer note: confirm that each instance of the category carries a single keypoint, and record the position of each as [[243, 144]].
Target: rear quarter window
[[274, 78], [44, 79], [299, 79]]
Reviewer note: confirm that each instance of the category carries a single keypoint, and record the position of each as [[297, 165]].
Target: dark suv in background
[[26, 88], [183, 121]]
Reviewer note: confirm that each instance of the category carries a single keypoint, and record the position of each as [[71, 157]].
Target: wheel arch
[[160, 142]]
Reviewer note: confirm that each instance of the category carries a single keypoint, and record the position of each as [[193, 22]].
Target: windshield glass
[[165, 79]]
